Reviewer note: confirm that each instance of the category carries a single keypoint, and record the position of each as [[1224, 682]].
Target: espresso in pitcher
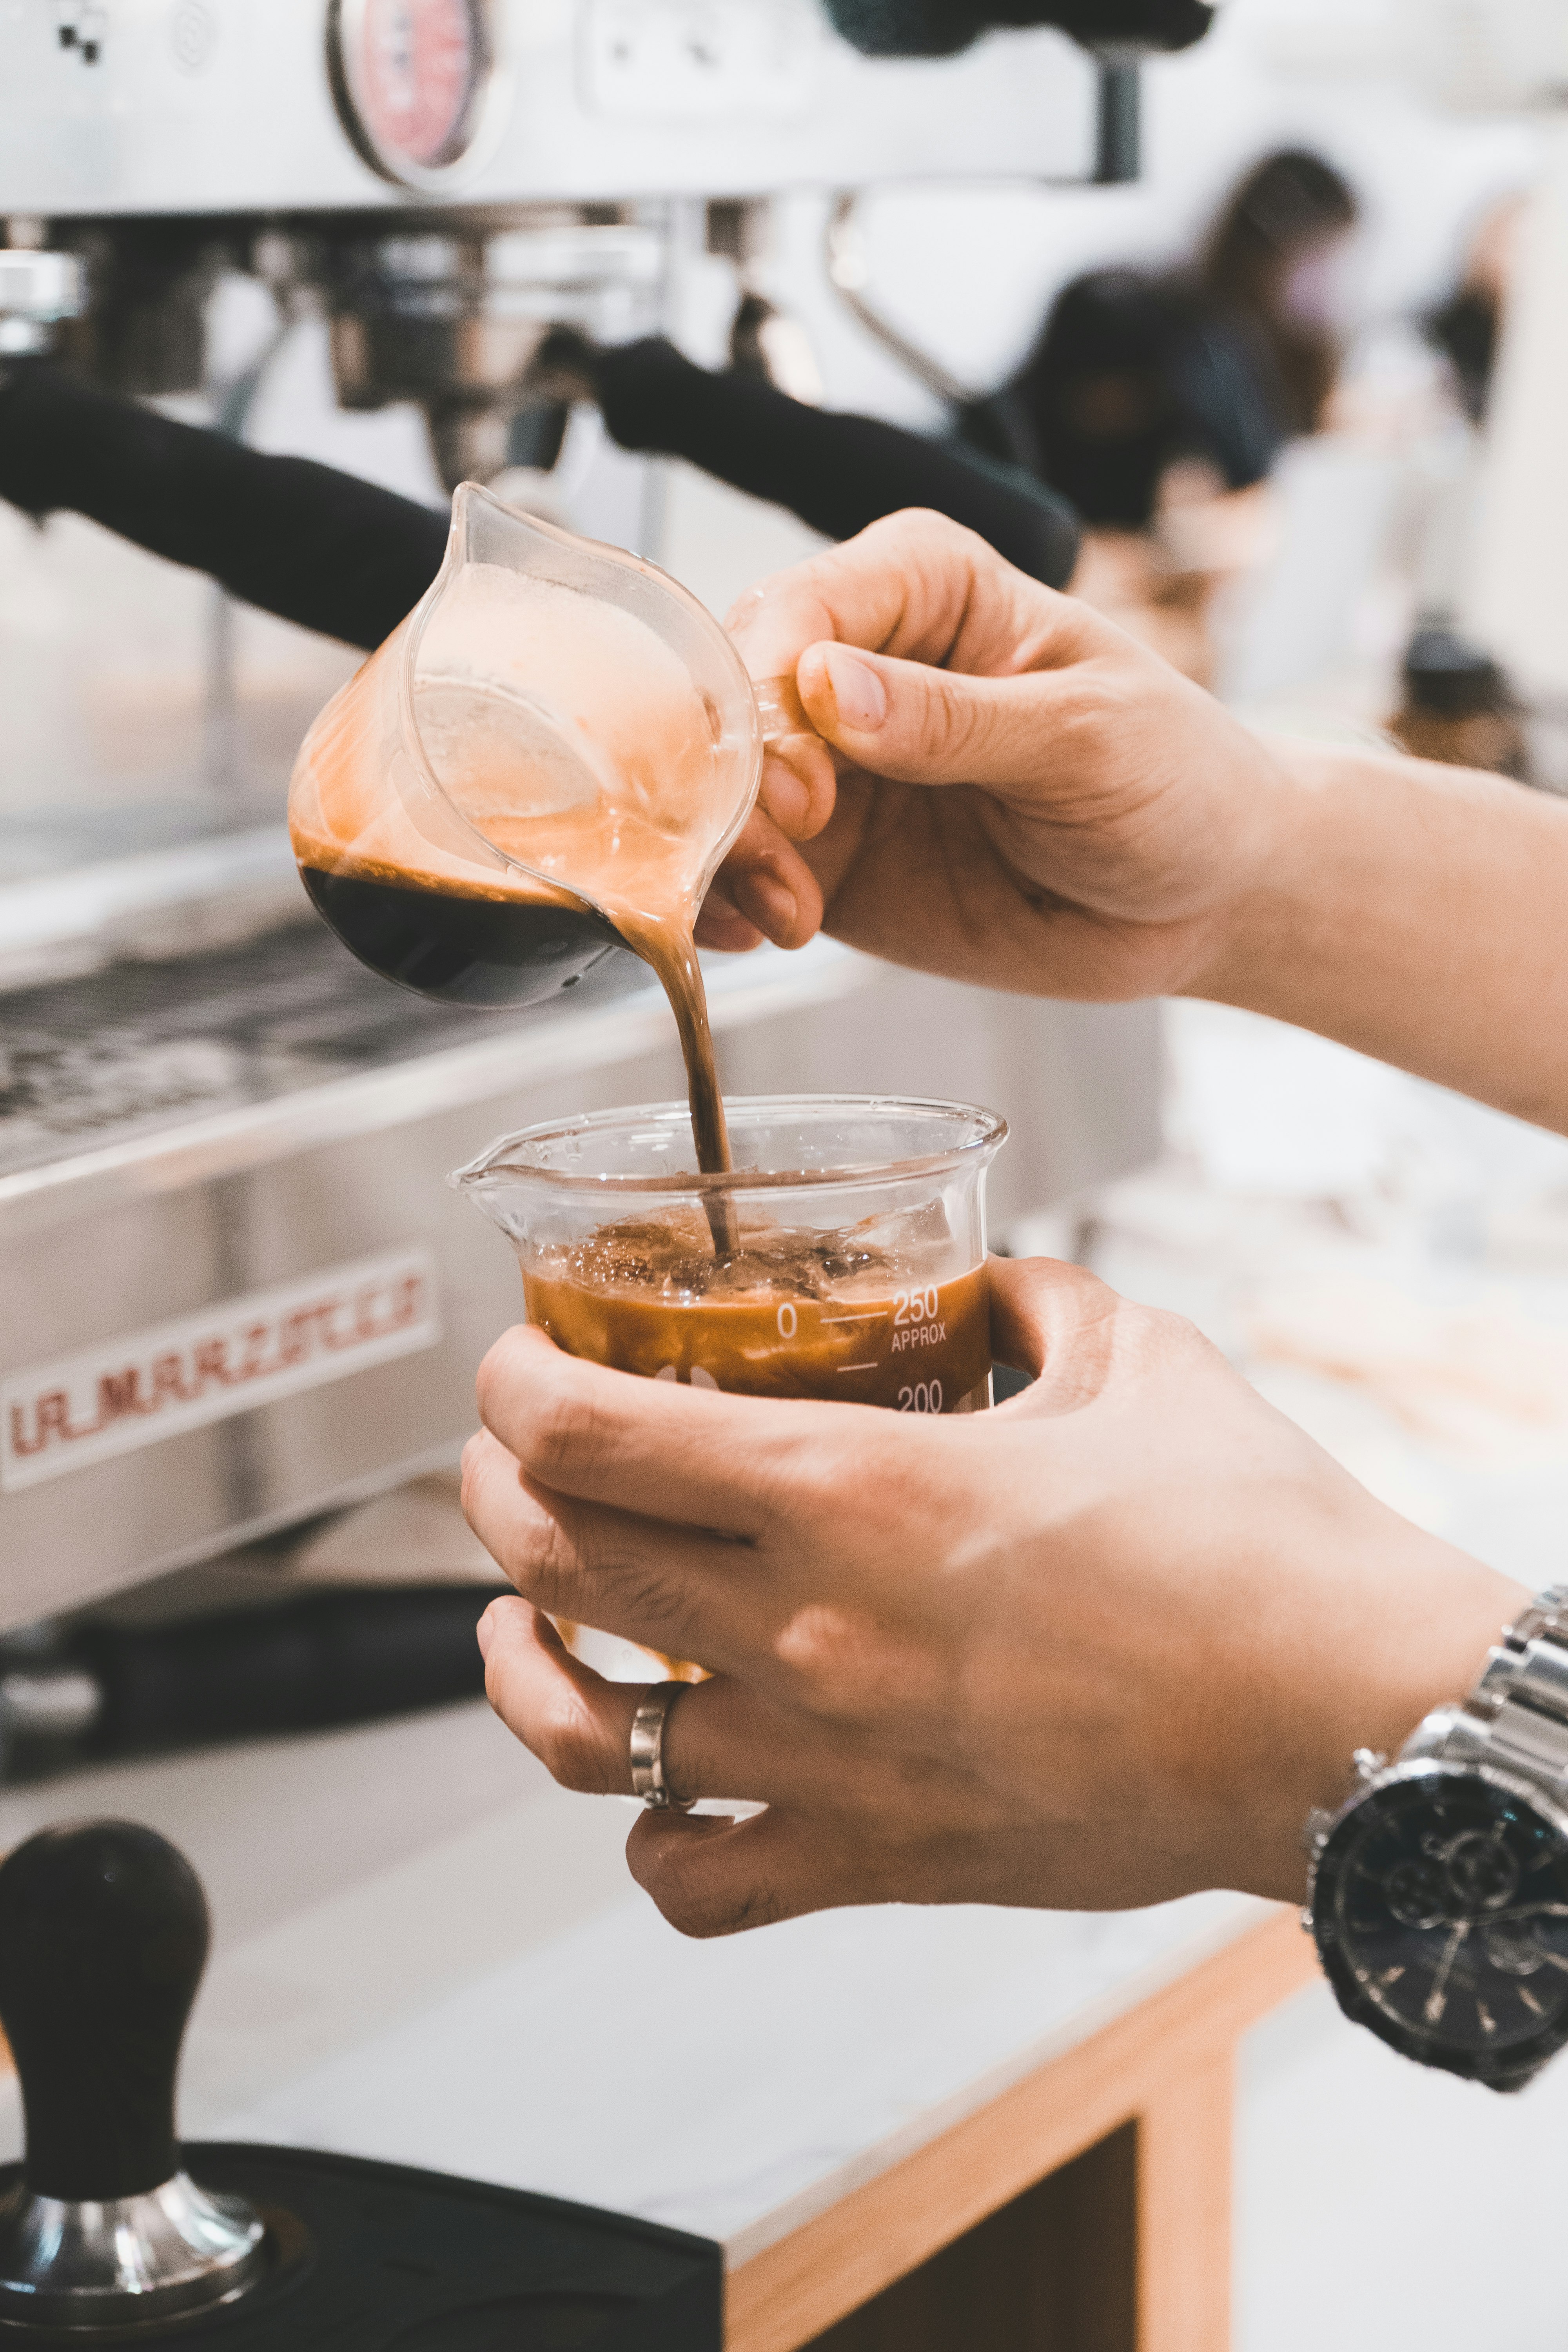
[[613, 782], [458, 949]]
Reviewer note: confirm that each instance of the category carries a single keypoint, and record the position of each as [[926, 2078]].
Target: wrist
[[1411, 911], [1253, 849], [1279, 919], [1441, 1887], [1416, 1639]]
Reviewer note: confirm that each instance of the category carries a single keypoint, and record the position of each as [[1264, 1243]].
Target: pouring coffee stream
[[547, 759]]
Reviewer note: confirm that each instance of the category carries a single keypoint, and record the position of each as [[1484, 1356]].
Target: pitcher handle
[[780, 709]]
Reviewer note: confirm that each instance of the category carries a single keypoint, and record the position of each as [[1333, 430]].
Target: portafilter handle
[[104, 1936]]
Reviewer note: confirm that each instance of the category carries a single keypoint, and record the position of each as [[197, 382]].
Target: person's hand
[[1016, 791], [1103, 1645]]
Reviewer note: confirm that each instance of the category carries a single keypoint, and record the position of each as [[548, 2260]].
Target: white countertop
[[427, 1953]]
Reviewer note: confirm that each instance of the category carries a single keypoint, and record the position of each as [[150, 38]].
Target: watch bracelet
[[1516, 1717]]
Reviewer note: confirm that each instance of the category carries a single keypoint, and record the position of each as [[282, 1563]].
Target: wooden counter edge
[[793, 2289]]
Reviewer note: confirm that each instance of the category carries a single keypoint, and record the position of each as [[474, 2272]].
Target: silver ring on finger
[[647, 1750]]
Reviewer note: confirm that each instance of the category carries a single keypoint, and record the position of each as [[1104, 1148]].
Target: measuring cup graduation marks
[[857, 1272]]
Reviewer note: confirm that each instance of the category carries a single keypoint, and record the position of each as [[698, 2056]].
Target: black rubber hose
[[318, 1659], [299, 540], [340, 555], [938, 29], [836, 472]]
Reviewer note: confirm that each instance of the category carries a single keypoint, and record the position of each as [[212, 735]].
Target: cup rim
[[494, 1162]]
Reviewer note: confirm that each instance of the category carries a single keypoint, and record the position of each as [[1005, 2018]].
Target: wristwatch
[[1437, 1894]]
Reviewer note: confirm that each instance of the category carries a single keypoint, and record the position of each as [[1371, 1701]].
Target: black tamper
[[106, 2237], [103, 1937]]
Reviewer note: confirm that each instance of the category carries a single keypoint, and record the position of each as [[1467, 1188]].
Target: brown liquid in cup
[[787, 1314], [784, 1314], [625, 814]]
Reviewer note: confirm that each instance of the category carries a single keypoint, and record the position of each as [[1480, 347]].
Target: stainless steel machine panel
[[240, 1296], [234, 1288], [229, 106]]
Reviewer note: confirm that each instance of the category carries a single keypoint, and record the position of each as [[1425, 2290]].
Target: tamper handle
[[104, 1936]]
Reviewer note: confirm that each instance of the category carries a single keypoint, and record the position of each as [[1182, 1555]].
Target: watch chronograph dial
[[1441, 1909]]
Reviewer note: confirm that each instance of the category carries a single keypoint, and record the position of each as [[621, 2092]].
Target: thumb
[[919, 725], [713, 1876], [1057, 1322]]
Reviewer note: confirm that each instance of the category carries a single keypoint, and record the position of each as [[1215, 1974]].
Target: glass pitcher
[[558, 744]]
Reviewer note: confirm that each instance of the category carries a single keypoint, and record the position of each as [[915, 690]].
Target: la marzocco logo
[[227, 1359]]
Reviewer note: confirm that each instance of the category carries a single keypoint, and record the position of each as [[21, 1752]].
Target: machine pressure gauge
[[416, 83]]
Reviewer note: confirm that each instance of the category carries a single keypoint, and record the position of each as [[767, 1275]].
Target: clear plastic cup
[[859, 1273]]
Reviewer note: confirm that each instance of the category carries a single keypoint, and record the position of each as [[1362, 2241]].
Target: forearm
[[1419, 913]]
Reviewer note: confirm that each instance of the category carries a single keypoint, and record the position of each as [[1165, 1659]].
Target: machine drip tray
[[378, 2258], [143, 1048]]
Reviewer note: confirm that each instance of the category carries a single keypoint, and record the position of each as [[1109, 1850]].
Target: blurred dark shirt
[[1133, 373]]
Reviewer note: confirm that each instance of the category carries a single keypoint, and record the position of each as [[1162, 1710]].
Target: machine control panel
[[223, 106], [80, 28], [691, 61]]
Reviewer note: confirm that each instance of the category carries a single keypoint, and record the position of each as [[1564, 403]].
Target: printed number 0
[[789, 1322]]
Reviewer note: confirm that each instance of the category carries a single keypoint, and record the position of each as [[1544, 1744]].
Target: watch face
[[1441, 1910]]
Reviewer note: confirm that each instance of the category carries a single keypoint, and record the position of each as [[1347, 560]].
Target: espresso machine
[[222, 1146], [236, 1294]]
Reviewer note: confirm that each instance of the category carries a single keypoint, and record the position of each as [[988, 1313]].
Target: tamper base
[[109, 2265]]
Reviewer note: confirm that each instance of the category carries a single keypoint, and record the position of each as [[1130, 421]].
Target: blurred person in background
[[1157, 402], [1150, 403], [1457, 705], [1467, 325], [1217, 364]]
